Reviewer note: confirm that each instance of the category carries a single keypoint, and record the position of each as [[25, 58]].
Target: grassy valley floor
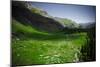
[[31, 47], [47, 51]]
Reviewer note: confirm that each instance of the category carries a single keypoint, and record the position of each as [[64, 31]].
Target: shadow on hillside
[[25, 16], [37, 36]]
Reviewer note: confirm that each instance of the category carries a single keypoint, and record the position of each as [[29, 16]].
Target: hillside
[[38, 18], [67, 22], [26, 16]]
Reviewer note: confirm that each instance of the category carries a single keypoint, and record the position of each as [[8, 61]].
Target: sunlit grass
[[46, 51], [36, 47]]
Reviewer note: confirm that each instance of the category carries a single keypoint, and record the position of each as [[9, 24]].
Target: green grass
[[35, 47]]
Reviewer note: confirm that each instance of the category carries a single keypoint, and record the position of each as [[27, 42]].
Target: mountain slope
[[25, 16], [67, 22]]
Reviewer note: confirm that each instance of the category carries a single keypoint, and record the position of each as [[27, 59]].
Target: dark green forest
[[38, 38]]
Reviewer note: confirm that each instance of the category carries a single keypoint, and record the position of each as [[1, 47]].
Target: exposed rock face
[[21, 13]]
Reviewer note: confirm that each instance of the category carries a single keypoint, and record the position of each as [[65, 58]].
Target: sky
[[77, 13]]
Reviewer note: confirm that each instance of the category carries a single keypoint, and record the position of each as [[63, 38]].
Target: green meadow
[[31, 46]]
